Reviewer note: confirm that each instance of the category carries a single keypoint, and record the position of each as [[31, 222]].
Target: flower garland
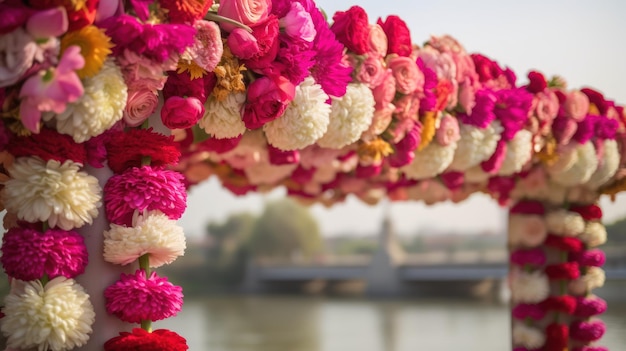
[[554, 268]]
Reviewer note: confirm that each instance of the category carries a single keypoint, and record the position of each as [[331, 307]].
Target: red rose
[[181, 113], [537, 82], [352, 29], [486, 68], [266, 34], [267, 100], [142, 340], [564, 243], [563, 271], [398, 35]]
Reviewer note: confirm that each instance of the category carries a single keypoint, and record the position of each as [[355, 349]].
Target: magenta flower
[[494, 163], [52, 89], [589, 306], [28, 254], [144, 188], [512, 109], [525, 310], [590, 348], [586, 129], [483, 111], [587, 331], [48, 23], [135, 297], [591, 258], [535, 257]]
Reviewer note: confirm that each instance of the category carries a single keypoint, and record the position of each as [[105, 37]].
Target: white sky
[[582, 41]]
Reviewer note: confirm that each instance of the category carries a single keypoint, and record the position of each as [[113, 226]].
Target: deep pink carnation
[[368, 171], [563, 129], [596, 98], [144, 188], [591, 258], [28, 254], [529, 207], [282, 157], [404, 149], [181, 84], [135, 297], [606, 128], [587, 331], [352, 29], [486, 68], [562, 303], [524, 310], [398, 36], [142, 340], [48, 144], [564, 243], [13, 14], [586, 129], [512, 107], [452, 180], [501, 187], [589, 306], [493, 164], [429, 101], [303, 175], [483, 111], [294, 59], [522, 257]]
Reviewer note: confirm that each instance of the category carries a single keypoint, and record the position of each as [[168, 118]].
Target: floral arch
[[112, 110]]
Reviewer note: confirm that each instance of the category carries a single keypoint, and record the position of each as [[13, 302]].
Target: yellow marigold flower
[[429, 128], [593, 110], [195, 71], [229, 76], [374, 151], [548, 154], [94, 45]]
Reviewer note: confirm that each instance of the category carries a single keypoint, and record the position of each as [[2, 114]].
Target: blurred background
[[249, 268]]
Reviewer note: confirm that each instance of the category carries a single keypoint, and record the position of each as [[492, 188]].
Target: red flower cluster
[[48, 145], [564, 243], [589, 212], [529, 207], [564, 303], [126, 150], [141, 340], [567, 270], [352, 29], [557, 336], [398, 36]]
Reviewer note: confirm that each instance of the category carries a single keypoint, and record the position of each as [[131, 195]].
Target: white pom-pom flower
[[607, 167], [580, 170], [51, 191], [430, 161], [594, 277], [350, 116], [56, 317], [529, 287], [222, 119], [304, 121], [518, 153], [154, 234], [529, 337], [98, 109], [475, 146], [594, 234], [565, 223], [527, 230]]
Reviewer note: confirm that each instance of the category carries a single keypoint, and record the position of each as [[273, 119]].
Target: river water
[[301, 323]]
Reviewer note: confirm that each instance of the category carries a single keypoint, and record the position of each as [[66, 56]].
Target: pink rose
[[408, 77], [546, 109], [298, 23], [248, 12], [398, 36], [243, 44], [352, 29], [407, 107], [563, 129], [380, 122], [181, 113], [378, 40], [576, 105], [266, 34], [448, 131], [467, 96], [267, 99], [371, 71], [139, 106], [385, 91]]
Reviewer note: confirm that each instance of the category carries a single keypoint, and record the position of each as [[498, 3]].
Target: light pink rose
[[448, 131], [245, 11], [140, 71], [380, 122], [467, 96], [446, 43], [440, 62], [298, 23], [407, 107], [546, 109], [576, 105], [385, 91], [48, 23], [181, 113], [377, 40], [408, 76], [139, 106], [243, 44], [17, 53], [371, 71]]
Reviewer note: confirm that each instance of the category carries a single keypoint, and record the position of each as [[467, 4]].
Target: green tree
[[285, 228]]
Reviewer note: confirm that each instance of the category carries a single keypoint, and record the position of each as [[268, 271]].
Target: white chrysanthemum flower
[[592, 279], [529, 337], [222, 119], [594, 234], [580, 171], [565, 223], [350, 116], [475, 146], [100, 107], [527, 230], [518, 153], [154, 234], [57, 193], [607, 167], [529, 287], [304, 121], [430, 161], [267, 173], [56, 317]]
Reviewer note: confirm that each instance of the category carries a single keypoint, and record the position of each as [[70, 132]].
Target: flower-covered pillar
[[555, 266]]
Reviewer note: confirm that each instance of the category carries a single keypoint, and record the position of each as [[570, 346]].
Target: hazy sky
[[583, 42]]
